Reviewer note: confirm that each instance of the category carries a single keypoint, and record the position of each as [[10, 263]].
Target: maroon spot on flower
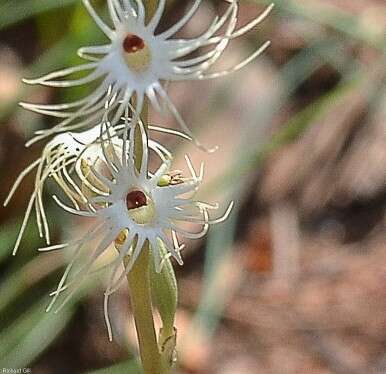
[[133, 43], [135, 199]]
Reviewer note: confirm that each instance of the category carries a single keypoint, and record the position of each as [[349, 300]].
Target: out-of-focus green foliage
[[30, 334], [12, 11], [26, 330]]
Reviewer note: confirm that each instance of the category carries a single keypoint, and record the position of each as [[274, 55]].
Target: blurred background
[[294, 281]]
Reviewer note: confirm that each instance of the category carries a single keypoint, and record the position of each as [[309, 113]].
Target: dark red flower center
[[135, 199], [133, 43]]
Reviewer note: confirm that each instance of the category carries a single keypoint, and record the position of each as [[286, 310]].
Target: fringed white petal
[[48, 79], [182, 22], [152, 25], [109, 33]]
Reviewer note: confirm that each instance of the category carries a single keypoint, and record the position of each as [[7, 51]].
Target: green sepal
[[164, 290], [165, 298]]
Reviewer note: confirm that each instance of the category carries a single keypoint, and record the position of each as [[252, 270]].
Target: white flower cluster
[[100, 150]]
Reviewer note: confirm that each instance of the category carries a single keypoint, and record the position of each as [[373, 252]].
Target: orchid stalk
[[139, 277]]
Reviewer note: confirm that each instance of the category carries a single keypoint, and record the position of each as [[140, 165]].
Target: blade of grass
[[220, 239], [288, 133], [24, 278], [132, 367], [218, 252], [327, 15], [31, 334], [16, 11]]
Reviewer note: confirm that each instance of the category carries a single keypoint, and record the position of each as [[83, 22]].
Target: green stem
[[139, 283], [139, 276], [150, 8]]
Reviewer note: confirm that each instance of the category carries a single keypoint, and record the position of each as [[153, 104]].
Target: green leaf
[[165, 298], [288, 133], [19, 280], [31, 334], [129, 367], [327, 15], [16, 11], [218, 250], [8, 235], [164, 291]]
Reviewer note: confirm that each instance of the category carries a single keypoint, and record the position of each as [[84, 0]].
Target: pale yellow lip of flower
[[136, 53], [144, 213]]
